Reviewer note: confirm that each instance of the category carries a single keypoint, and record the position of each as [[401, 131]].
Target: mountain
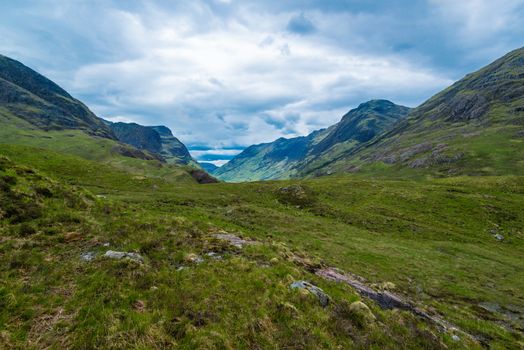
[[209, 167], [172, 149], [155, 139], [474, 127], [37, 113], [285, 158], [39, 101]]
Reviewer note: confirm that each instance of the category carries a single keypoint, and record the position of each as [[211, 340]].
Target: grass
[[16, 131], [432, 238]]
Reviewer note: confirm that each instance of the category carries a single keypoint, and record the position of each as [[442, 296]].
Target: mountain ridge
[[158, 140], [52, 108], [284, 158]]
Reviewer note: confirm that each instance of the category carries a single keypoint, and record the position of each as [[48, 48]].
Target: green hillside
[[474, 127], [36, 99], [432, 242]]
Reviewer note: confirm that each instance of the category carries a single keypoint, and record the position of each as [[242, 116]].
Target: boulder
[[234, 240], [323, 298], [362, 311], [87, 256], [122, 255]]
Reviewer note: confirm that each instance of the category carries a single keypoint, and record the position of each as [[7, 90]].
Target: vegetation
[[104, 246], [433, 239]]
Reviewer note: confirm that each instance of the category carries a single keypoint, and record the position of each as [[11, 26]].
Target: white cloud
[[478, 21], [218, 163], [227, 73], [245, 73]]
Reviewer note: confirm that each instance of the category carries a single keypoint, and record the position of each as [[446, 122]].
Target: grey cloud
[[214, 71], [301, 25]]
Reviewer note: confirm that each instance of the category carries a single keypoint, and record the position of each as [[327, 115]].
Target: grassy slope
[[431, 238], [16, 131], [480, 118]]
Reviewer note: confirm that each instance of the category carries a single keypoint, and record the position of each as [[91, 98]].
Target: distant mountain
[[36, 99], [209, 167], [474, 127], [155, 139], [173, 150], [285, 158]]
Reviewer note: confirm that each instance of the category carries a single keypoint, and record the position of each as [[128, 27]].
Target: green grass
[[431, 238], [16, 131]]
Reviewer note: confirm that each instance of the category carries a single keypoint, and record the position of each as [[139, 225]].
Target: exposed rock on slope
[[158, 140]]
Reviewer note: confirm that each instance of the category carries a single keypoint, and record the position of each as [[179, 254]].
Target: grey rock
[[491, 307], [323, 298], [234, 240], [214, 255], [121, 255], [499, 237], [88, 256], [455, 337]]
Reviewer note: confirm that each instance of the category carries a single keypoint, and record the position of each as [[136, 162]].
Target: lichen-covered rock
[[323, 298], [234, 240], [122, 255], [362, 311], [499, 237], [193, 258], [87, 256]]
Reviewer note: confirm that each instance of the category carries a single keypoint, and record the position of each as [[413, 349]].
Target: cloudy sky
[[224, 74]]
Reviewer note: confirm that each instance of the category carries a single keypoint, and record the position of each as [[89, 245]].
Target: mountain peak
[[39, 101], [157, 139], [375, 103], [283, 157], [162, 130]]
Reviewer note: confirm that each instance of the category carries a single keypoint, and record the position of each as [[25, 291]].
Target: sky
[[225, 74]]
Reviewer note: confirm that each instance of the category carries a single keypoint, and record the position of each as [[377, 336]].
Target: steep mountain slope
[[36, 112], [39, 101], [285, 158], [138, 136], [155, 139], [172, 149], [476, 126]]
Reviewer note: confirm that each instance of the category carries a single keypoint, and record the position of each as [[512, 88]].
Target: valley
[[394, 228]]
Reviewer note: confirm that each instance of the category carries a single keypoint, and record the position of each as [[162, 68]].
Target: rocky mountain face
[[155, 139], [141, 137], [363, 123], [285, 158], [474, 127], [39, 101], [172, 149]]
